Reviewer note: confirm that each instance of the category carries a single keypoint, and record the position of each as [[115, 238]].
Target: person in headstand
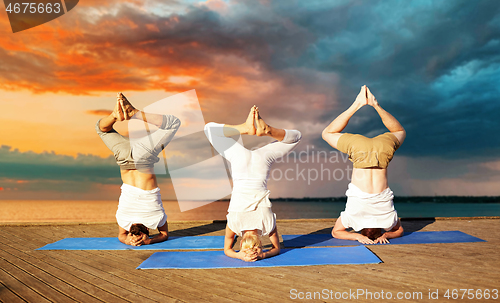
[[369, 208], [249, 214], [140, 207]]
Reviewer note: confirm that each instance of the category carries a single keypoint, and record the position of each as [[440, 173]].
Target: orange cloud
[[121, 50], [99, 112], [130, 50], [152, 27]]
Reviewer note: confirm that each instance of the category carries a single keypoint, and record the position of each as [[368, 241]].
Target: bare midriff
[[142, 180], [372, 180]]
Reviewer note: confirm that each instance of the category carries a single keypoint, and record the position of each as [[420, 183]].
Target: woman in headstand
[[140, 207], [249, 214], [369, 207]]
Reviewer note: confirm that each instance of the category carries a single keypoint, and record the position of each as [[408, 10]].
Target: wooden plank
[[95, 274], [405, 267], [20, 284], [194, 285], [70, 276], [176, 280], [204, 281], [98, 288], [101, 265], [127, 276], [19, 260], [244, 281], [122, 265], [6, 295]]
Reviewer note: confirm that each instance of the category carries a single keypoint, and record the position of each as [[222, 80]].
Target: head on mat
[[140, 198], [369, 198], [371, 233], [251, 241], [137, 229]]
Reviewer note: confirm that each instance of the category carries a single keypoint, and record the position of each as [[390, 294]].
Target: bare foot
[[128, 109], [249, 123], [362, 98], [371, 98], [117, 112], [262, 128]]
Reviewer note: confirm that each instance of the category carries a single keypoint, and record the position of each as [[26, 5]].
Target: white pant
[[140, 206], [364, 210]]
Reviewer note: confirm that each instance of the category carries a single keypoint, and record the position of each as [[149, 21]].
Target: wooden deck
[[27, 275]]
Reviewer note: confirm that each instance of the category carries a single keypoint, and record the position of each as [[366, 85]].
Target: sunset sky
[[435, 65]]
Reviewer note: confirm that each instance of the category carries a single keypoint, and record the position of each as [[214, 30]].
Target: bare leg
[[106, 124], [124, 110], [247, 128], [263, 129], [389, 121]]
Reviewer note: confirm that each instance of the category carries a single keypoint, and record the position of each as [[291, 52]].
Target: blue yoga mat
[[287, 257], [173, 243], [421, 237]]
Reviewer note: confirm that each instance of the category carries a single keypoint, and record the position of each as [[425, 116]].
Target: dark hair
[[137, 229], [371, 233]]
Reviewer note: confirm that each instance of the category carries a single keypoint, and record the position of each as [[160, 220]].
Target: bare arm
[[275, 249], [162, 236], [228, 248], [340, 232], [124, 236], [331, 133], [228, 244], [389, 121], [395, 232]]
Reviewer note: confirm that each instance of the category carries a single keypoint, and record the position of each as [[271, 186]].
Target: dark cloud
[[430, 64]]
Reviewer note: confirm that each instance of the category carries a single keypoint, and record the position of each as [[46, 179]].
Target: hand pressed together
[[142, 239], [248, 255], [365, 97], [361, 98], [371, 98]]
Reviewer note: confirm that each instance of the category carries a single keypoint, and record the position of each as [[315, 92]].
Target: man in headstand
[[369, 207], [140, 207]]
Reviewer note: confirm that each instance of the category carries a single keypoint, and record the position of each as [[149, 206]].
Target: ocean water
[[104, 211], [407, 207], [296, 210]]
